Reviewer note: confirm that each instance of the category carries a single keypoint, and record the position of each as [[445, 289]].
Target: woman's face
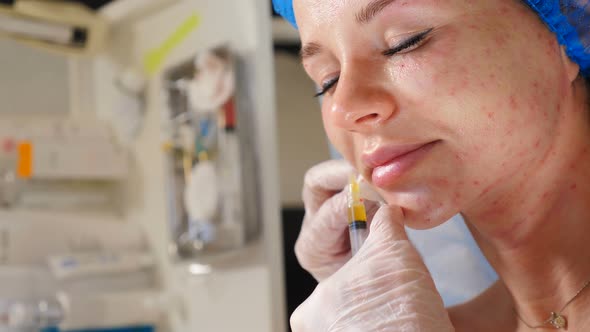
[[442, 104]]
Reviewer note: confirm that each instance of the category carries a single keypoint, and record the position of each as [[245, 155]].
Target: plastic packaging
[[30, 315]]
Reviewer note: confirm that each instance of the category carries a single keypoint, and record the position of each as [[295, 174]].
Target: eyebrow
[[310, 50], [371, 10]]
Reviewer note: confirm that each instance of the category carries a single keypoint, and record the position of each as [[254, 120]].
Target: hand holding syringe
[[358, 190], [387, 273], [323, 245]]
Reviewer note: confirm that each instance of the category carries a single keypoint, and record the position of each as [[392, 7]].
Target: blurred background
[[152, 154]]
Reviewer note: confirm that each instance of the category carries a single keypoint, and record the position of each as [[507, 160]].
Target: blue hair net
[[568, 19], [285, 9]]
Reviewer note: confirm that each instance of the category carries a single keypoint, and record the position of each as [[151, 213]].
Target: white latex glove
[[323, 245], [385, 287]]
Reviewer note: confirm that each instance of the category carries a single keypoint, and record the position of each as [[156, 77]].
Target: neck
[[537, 236]]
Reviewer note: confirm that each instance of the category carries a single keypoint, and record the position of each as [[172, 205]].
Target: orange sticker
[[25, 160]]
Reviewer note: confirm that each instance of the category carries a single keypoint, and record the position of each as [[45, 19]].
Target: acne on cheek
[[550, 48], [513, 104], [504, 10], [441, 182], [463, 82], [500, 41], [574, 165]]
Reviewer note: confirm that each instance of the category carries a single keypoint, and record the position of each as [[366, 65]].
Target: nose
[[361, 104]]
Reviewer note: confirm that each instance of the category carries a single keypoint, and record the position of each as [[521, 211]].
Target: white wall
[[302, 141], [32, 81]]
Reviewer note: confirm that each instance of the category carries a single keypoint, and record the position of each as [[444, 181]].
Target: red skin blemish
[[573, 186], [464, 84], [506, 233], [500, 40], [490, 115], [442, 182], [513, 103], [494, 203], [545, 194], [537, 143], [476, 183]]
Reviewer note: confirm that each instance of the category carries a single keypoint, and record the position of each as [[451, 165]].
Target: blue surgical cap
[[285, 9], [568, 19]]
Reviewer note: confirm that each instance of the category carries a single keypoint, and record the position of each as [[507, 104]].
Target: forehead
[[335, 23], [318, 15], [324, 22], [318, 10], [326, 13]]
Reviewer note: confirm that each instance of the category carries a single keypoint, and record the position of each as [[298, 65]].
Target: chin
[[421, 209], [422, 220]]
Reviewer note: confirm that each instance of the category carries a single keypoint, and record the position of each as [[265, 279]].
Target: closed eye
[[405, 46], [327, 86], [408, 44]]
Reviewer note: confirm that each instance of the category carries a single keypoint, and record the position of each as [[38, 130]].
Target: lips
[[388, 163]]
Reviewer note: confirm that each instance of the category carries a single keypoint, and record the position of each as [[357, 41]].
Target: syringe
[[357, 216]]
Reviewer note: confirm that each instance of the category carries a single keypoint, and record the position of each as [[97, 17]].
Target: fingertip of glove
[[389, 219]]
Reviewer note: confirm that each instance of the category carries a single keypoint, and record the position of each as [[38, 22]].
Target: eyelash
[[406, 45]]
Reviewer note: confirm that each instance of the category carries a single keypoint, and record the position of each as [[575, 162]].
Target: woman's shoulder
[[491, 311]]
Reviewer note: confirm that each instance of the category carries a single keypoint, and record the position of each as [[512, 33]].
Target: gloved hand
[[323, 245], [384, 287]]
